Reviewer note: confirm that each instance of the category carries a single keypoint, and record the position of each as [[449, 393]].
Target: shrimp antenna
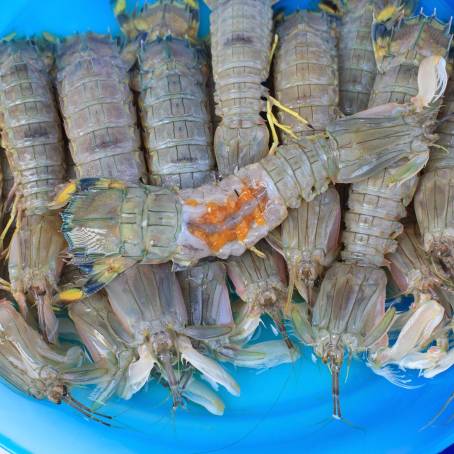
[[439, 413], [172, 381], [335, 371], [291, 286], [90, 414], [282, 329], [87, 409]]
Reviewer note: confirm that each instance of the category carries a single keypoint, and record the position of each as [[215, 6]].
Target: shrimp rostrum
[[32, 137]]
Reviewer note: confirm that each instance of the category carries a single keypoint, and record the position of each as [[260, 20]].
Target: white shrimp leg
[[138, 372], [206, 365], [432, 81], [246, 324], [275, 353], [203, 395], [422, 360], [443, 364], [414, 334]]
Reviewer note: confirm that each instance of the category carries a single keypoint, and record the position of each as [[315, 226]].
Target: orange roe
[[217, 213]]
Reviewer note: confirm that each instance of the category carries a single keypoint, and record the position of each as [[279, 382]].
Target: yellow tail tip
[[119, 7], [50, 37], [63, 196], [9, 37], [192, 3], [381, 48], [116, 184], [333, 7], [386, 13], [327, 9], [71, 295]]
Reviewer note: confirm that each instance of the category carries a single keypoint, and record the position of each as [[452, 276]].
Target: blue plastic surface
[[286, 409]]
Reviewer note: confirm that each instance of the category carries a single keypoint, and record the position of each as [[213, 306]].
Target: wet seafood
[[349, 315], [96, 104], [261, 283], [128, 364], [415, 334], [238, 95], [206, 294], [100, 123], [414, 271], [305, 71], [42, 371], [32, 138], [155, 316], [174, 112], [106, 231], [357, 68], [433, 199], [309, 241], [428, 317], [240, 48], [141, 319], [97, 109], [173, 99], [432, 207], [377, 203], [306, 81]]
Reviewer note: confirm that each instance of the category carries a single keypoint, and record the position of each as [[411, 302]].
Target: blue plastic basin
[[284, 410]]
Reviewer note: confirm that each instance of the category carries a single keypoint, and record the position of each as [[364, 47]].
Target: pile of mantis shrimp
[[162, 193]]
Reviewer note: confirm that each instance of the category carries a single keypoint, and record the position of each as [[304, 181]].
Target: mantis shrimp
[[240, 50], [414, 272], [129, 353], [174, 112], [261, 284], [110, 225], [174, 106], [162, 326], [357, 68], [40, 370], [305, 80], [305, 72], [97, 109], [433, 211], [349, 312], [91, 71], [433, 199], [32, 138]]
